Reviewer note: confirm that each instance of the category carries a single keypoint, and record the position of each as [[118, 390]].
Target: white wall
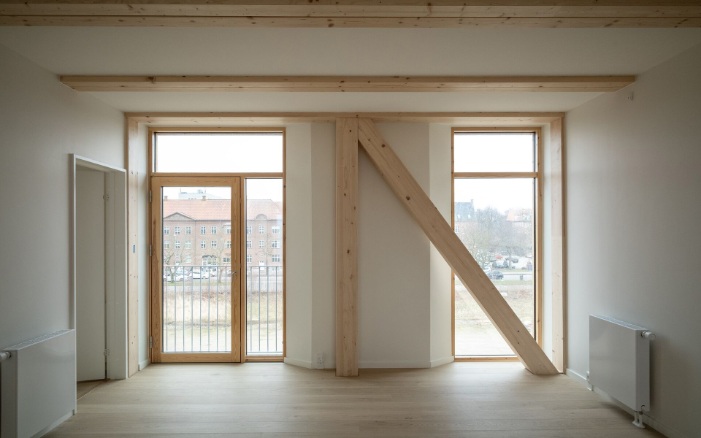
[[441, 187], [393, 260], [324, 244], [298, 229], [634, 178], [41, 123], [404, 289], [142, 247]]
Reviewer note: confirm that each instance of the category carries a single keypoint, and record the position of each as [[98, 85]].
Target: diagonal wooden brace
[[441, 234]]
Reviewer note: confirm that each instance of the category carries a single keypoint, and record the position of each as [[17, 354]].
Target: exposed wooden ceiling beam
[[209, 119], [349, 83], [353, 13]]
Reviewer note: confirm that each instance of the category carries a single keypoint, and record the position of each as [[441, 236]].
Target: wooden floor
[[83, 388], [275, 400]]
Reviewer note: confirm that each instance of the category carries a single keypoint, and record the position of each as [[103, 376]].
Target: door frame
[[116, 342], [237, 284]]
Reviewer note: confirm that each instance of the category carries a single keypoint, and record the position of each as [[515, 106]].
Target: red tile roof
[[220, 209]]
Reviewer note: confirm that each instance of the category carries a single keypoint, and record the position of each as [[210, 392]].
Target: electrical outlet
[[320, 360]]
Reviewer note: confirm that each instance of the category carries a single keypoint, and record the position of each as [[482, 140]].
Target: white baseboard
[[298, 363], [442, 361], [143, 364], [575, 375], [667, 431], [55, 424]]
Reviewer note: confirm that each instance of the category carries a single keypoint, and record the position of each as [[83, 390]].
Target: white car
[[199, 274]]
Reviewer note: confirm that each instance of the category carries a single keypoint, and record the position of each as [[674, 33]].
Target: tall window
[[265, 274], [243, 154], [495, 214]]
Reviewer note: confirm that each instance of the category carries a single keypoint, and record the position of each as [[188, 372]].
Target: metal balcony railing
[[197, 309], [264, 310]]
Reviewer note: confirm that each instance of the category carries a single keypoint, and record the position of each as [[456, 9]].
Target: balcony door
[[196, 269]]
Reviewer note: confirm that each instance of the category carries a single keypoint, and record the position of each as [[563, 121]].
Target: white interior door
[[90, 274]]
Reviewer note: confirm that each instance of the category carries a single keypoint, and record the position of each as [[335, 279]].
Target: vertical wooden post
[[441, 234], [346, 247], [557, 237], [132, 244]]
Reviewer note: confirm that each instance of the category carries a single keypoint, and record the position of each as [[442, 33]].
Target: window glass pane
[[494, 152], [196, 280], [264, 281], [226, 152], [494, 219]]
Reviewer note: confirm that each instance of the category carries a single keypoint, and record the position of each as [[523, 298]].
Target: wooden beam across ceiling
[[348, 83], [354, 13]]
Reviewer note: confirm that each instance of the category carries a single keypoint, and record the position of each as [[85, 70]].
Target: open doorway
[[99, 274]]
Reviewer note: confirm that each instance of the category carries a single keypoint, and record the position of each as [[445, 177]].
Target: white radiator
[[38, 385], [619, 362]]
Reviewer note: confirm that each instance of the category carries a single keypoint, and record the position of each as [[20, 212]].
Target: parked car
[[199, 274], [179, 274], [495, 275]]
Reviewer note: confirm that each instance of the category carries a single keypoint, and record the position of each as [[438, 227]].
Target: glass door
[[196, 269]]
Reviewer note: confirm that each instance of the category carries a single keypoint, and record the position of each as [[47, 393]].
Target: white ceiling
[[238, 51]]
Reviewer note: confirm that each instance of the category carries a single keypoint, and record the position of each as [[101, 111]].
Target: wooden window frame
[[537, 175], [152, 132]]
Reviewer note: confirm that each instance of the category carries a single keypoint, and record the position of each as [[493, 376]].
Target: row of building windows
[[275, 258], [203, 244], [203, 230], [213, 230], [261, 229], [261, 244]]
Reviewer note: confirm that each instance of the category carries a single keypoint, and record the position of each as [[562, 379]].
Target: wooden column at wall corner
[[441, 234], [557, 236], [132, 129], [346, 247]]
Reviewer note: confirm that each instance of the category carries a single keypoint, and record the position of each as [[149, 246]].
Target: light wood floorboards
[[83, 388], [481, 400]]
